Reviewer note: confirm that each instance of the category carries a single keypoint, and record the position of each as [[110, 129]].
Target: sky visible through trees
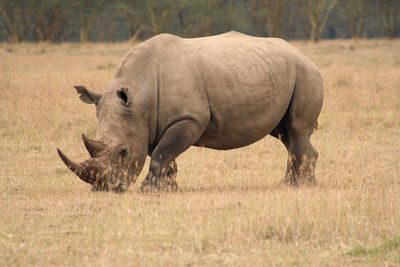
[[120, 20]]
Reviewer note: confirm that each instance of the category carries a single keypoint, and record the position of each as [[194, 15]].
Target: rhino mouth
[[97, 171]]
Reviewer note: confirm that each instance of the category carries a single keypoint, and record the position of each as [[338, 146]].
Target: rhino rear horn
[[95, 148], [77, 168]]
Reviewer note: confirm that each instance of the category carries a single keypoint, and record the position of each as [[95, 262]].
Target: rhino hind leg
[[280, 132], [302, 157], [163, 169], [301, 168], [295, 130]]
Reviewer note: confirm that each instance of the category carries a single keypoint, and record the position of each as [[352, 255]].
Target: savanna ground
[[231, 209]]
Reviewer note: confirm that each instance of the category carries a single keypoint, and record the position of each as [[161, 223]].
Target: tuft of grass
[[358, 250]]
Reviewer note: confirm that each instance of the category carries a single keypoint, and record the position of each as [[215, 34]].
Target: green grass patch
[[388, 250]]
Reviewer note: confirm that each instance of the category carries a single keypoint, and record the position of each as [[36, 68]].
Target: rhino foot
[[300, 174], [298, 181], [166, 182], [162, 185]]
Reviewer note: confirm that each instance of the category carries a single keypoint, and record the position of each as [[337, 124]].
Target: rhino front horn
[[75, 167], [95, 148]]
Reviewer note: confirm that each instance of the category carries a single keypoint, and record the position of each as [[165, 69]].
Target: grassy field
[[231, 209]]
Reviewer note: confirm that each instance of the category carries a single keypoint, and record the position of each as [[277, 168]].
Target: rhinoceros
[[220, 92]]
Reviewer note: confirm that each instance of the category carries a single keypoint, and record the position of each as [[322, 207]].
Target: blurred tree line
[[117, 20]]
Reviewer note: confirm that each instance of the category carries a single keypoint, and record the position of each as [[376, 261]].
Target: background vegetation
[[231, 209], [116, 20]]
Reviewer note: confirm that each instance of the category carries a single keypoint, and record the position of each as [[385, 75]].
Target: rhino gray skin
[[220, 92]]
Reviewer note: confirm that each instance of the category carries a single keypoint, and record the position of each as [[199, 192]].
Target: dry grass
[[231, 209]]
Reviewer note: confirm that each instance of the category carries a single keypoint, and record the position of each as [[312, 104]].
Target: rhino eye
[[123, 95], [123, 152]]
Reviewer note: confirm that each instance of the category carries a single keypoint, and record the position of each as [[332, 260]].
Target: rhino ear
[[87, 96], [124, 96]]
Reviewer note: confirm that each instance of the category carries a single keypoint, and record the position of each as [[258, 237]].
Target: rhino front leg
[[167, 183], [171, 176], [178, 137]]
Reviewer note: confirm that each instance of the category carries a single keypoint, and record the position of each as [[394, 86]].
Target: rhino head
[[118, 153]]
